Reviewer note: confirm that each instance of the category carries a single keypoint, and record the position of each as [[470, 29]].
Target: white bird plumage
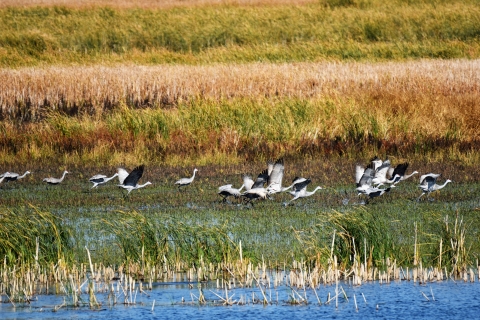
[[131, 181], [275, 177], [186, 181], [12, 176], [99, 179], [229, 191], [122, 174], [56, 180], [299, 189]]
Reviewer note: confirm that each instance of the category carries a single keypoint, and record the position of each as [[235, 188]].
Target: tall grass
[[100, 115], [146, 239], [233, 33], [29, 237]]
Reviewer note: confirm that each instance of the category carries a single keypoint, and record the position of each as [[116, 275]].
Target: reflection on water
[[179, 300]]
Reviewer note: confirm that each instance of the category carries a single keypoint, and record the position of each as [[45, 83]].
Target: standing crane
[[186, 181], [56, 180]]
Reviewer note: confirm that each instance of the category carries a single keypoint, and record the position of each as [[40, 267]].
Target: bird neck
[[443, 185], [314, 190], [143, 185], [409, 175], [108, 179], [63, 176], [24, 175]]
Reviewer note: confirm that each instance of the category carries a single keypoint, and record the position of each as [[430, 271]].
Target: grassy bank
[[231, 113], [364, 31]]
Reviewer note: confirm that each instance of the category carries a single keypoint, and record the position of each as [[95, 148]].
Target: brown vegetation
[[148, 4], [234, 110]]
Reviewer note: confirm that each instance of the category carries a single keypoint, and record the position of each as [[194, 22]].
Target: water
[[397, 300]]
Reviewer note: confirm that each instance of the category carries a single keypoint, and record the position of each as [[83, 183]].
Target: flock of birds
[[378, 173], [371, 181]]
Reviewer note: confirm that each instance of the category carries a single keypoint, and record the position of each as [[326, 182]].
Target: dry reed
[[229, 109], [147, 4]]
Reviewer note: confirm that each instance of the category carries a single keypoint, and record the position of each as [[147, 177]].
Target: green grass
[[211, 34]]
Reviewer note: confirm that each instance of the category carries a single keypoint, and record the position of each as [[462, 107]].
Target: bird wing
[[134, 176], [261, 179], [376, 162], [225, 187], [400, 169], [97, 177], [10, 175], [247, 182], [381, 171], [367, 177], [270, 165], [359, 171], [298, 180], [276, 175], [122, 175], [429, 179], [301, 185]]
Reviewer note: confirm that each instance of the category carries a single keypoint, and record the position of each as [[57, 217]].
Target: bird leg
[[418, 199]]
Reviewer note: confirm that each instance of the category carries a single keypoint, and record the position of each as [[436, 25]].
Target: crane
[[56, 180], [186, 181], [12, 176], [229, 191], [428, 184], [99, 179], [299, 189], [131, 181]]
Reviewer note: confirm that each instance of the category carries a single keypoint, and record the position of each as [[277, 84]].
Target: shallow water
[[397, 300]]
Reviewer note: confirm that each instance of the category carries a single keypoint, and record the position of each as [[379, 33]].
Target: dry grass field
[[148, 4], [420, 107]]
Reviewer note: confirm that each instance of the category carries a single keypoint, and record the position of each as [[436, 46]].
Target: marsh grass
[[424, 109], [159, 232], [31, 236]]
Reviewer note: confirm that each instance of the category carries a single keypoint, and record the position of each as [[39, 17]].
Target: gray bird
[[56, 180], [99, 179], [12, 176], [131, 181], [299, 189], [428, 184], [229, 191], [186, 181]]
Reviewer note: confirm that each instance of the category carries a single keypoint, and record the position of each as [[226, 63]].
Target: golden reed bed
[[147, 4], [431, 91]]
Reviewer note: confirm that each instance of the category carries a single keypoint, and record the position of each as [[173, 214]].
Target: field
[[326, 85]]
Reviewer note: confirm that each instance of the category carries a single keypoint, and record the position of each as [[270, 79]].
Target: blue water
[[397, 300]]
